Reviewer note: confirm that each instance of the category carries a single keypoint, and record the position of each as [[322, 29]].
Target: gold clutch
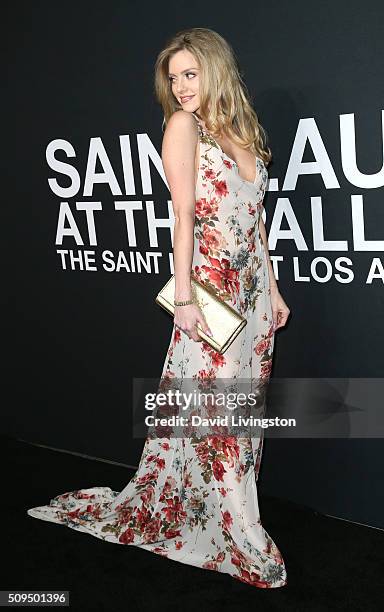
[[224, 321]]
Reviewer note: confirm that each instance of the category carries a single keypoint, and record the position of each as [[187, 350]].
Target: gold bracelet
[[183, 303]]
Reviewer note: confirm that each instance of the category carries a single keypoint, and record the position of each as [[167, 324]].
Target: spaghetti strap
[[200, 127], [196, 117]]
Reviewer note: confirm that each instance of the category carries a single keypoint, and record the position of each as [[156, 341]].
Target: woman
[[194, 498]]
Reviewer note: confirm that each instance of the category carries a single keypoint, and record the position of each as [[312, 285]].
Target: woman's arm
[[263, 233], [280, 310], [178, 157]]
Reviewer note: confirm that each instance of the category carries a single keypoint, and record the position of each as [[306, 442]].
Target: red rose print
[[173, 510], [204, 250], [227, 520], [261, 346], [202, 452], [148, 477], [212, 239], [171, 533], [125, 515], [127, 536], [206, 208], [222, 276], [266, 369], [218, 470], [221, 188], [210, 565], [152, 530], [253, 579]]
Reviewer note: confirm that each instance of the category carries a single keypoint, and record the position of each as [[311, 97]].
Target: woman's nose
[[180, 87]]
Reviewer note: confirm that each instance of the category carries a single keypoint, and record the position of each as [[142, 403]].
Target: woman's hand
[[186, 318], [280, 310]]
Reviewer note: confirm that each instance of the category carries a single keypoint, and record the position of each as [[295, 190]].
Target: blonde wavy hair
[[225, 103]]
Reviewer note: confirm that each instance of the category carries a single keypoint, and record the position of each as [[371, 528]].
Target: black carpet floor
[[331, 564]]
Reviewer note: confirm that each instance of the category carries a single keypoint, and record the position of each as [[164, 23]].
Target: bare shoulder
[[178, 157], [181, 124]]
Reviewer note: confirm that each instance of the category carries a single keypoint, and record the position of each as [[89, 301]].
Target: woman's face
[[183, 72]]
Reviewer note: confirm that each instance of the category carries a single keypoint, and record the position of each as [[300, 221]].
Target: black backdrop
[[79, 83]]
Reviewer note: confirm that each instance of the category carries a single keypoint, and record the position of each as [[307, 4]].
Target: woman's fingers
[[190, 331], [204, 325], [188, 323], [281, 317]]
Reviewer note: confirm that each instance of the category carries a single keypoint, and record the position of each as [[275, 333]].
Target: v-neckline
[[228, 157]]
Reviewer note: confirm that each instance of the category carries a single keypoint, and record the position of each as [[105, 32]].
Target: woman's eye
[[171, 79]]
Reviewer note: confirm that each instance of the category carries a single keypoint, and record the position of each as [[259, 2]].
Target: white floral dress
[[194, 498]]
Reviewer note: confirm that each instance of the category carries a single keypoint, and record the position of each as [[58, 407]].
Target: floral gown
[[194, 498]]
